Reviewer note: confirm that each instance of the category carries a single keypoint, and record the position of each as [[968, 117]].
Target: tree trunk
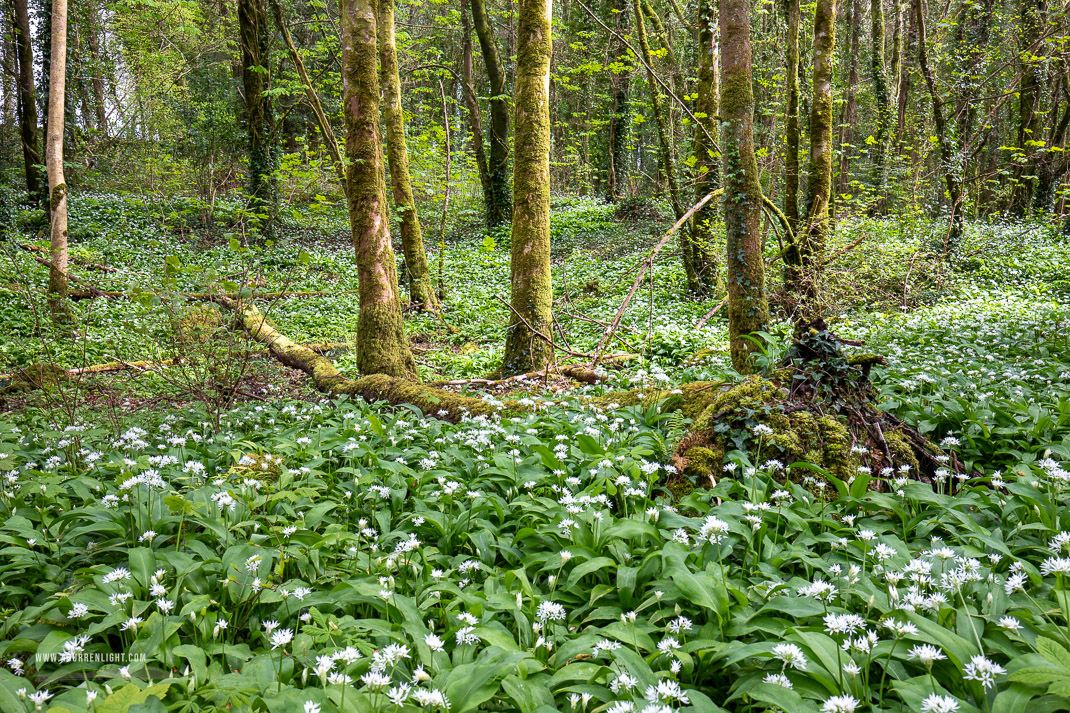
[[499, 211], [475, 121], [57, 186], [10, 72], [791, 127], [27, 97], [1030, 21], [879, 71], [947, 145], [803, 261], [707, 175], [850, 107], [748, 309], [382, 345], [620, 81], [421, 291], [532, 291], [263, 150], [93, 32]]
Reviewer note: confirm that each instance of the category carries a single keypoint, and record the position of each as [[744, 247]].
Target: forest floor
[[520, 562]]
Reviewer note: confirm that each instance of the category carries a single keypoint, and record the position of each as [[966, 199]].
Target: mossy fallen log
[[376, 387]]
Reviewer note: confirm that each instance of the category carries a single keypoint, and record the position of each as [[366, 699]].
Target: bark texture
[[382, 345], [748, 308], [421, 290], [531, 293], [57, 183]]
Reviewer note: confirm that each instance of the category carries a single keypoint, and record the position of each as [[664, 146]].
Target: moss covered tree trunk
[[946, 142], [421, 291], [707, 168], [748, 309], [263, 152], [879, 72], [382, 345], [498, 211], [57, 183], [803, 262], [531, 293], [26, 97], [619, 120], [791, 121]]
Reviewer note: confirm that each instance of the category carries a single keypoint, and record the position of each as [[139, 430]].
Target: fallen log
[[376, 387]]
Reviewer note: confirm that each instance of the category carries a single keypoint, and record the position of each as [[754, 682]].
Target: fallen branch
[[706, 317], [539, 334], [218, 297], [81, 262], [612, 328]]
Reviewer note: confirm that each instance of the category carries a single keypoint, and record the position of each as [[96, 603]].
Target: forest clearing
[[638, 356]]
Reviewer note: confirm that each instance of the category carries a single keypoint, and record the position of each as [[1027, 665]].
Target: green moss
[[901, 450]]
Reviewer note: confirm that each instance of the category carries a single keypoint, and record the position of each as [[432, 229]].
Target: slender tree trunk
[[421, 291], [804, 263], [791, 127], [707, 175], [27, 98], [948, 146], [10, 71], [620, 82], [382, 346], [499, 211], [532, 292], [902, 93], [850, 107], [93, 32], [1030, 21], [263, 151], [879, 71], [471, 102], [748, 309], [57, 185]]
